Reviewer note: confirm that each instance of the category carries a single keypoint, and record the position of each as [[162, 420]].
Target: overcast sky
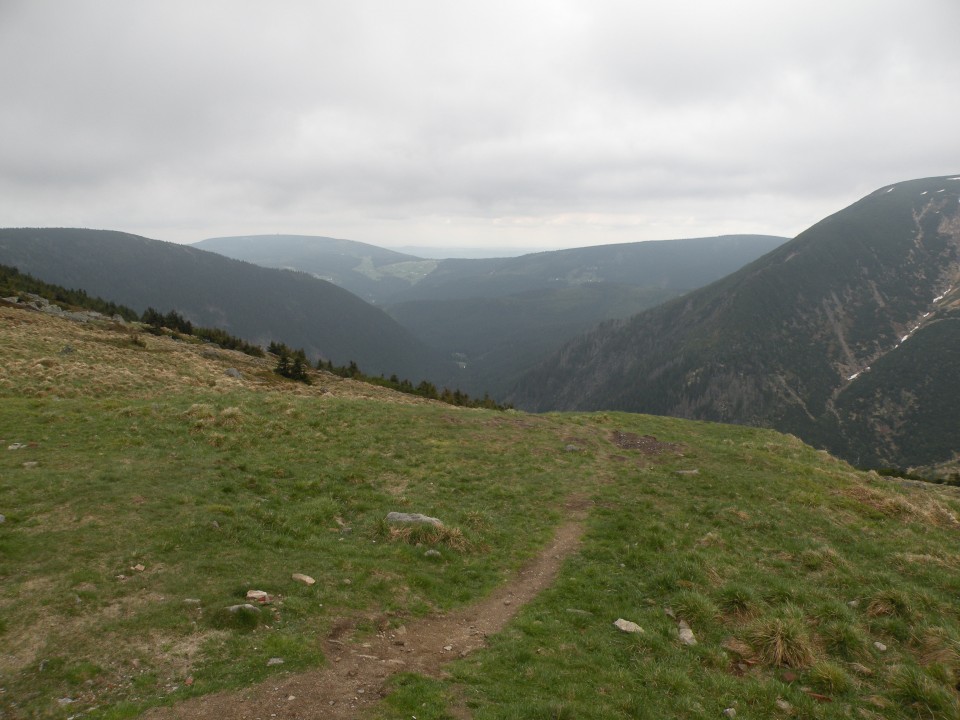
[[484, 124]]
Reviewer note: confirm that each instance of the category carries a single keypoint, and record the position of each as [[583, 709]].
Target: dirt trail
[[358, 668]]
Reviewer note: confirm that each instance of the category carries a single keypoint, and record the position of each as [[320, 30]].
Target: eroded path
[[358, 668]]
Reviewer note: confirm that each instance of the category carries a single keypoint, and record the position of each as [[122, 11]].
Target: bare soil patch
[[359, 666]]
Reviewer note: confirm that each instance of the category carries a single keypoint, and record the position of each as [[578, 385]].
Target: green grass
[[788, 566]]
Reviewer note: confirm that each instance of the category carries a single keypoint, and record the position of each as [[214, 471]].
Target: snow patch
[[892, 189], [854, 376], [942, 190], [924, 192], [954, 178]]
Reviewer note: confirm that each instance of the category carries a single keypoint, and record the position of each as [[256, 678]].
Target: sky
[[495, 125]]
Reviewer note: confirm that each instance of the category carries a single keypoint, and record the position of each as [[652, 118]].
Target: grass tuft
[[782, 641], [913, 688]]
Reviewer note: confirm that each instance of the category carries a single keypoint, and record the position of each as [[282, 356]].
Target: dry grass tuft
[[450, 537], [782, 641], [920, 506]]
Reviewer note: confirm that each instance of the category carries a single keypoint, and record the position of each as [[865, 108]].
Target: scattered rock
[[189, 681], [669, 613], [685, 633], [448, 648], [234, 373], [730, 712], [274, 661], [784, 705], [571, 448], [413, 518], [16, 446], [260, 596], [627, 626], [853, 603], [880, 646], [305, 579], [138, 567], [431, 553], [243, 607]]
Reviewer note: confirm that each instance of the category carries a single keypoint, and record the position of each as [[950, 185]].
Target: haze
[[493, 124]]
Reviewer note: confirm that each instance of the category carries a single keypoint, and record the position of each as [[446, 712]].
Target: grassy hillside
[[258, 304], [145, 489]]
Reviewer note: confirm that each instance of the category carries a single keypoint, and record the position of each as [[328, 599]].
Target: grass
[[152, 491]]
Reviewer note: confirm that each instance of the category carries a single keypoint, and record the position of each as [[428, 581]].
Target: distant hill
[[845, 336], [249, 301], [498, 317], [370, 272]]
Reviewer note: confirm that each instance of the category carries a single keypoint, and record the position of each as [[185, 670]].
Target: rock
[[413, 518], [627, 626], [3, 519], [448, 648], [685, 633], [305, 579], [260, 596], [730, 712], [571, 448], [16, 446], [13, 300], [234, 373], [274, 661], [862, 670], [243, 607], [138, 567], [784, 705], [431, 553], [880, 646]]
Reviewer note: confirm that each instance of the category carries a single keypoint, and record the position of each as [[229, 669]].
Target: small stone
[[627, 626], [506, 602], [880, 646], [730, 712], [138, 567], [861, 669], [65, 701], [16, 446], [431, 553], [234, 373], [274, 661], [243, 607], [572, 448], [305, 579], [448, 648], [260, 596], [853, 603], [686, 634], [188, 681], [784, 705]]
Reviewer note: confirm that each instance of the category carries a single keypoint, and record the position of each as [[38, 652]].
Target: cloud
[[527, 122]]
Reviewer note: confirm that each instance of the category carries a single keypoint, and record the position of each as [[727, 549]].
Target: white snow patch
[[854, 376], [904, 338], [954, 178], [924, 192], [942, 190], [926, 314], [892, 189]]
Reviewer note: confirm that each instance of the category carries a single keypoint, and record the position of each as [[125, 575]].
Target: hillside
[[787, 341], [385, 277], [148, 485], [369, 272], [255, 303]]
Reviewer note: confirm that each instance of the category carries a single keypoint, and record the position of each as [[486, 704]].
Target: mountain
[[496, 318], [249, 301], [386, 277], [814, 338], [370, 272]]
